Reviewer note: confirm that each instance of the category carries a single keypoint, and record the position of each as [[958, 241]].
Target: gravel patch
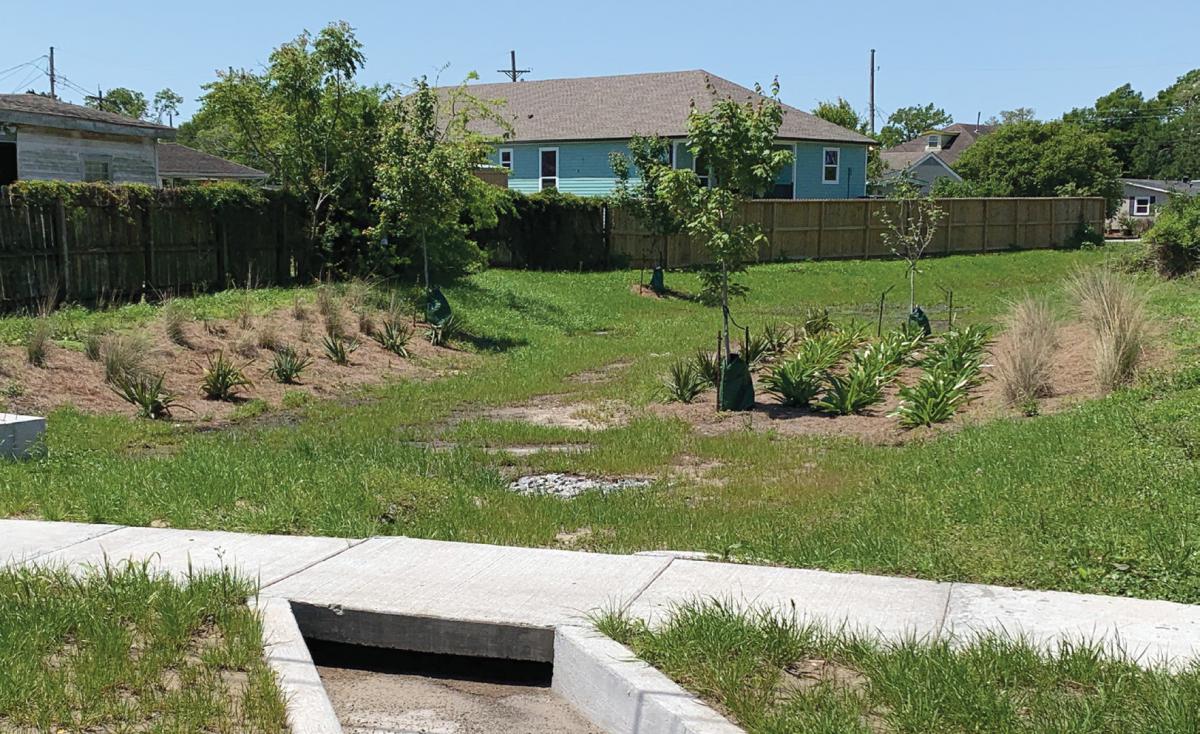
[[567, 486]]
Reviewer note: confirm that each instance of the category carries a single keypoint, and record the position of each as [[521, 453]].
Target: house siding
[[48, 154], [585, 169]]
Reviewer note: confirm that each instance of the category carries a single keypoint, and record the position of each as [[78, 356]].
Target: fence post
[[1054, 242], [866, 228], [820, 227], [985, 225], [218, 230], [60, 229]]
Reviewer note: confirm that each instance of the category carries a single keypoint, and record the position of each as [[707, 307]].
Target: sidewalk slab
[[1146, 631], [23, 540], [887, 606], [490, 584], [264, 558]]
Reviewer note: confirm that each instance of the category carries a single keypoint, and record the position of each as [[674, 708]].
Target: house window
[[935, 142], [506, 158], [549, 174], [1141, 206], [96, 169], [831, 165], [703, 174]]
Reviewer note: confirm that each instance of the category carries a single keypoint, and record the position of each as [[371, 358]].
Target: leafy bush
[[708, 365], [286, 365], [1116, 312], [394, 336], [38, 341], [794, 382], [683, 382], [339, 349], [710, 286], [860, 388], [1025, 355], [146, 393], [1175, 237], [935, 398], [222, 378]]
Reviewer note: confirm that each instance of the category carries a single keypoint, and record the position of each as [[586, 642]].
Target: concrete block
[[308, 708], [1142, 630], [497, 587], [263, 558], [24, 540], [879, 605], [609, 686], [21, 436]]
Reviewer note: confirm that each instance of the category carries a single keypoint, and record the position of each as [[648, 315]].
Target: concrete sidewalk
[[541, 589]]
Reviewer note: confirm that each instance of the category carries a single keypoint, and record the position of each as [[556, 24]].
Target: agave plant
[[858, 389], [339, 349], [394, 335], [708, 365], [145, 392], [683, 382], [286, 365], [794, 382], [222, 378], [935, 398]]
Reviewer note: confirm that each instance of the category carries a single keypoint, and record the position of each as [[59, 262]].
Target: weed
[[38, 341], [13, 389], [174, 322], [286, 365], [683, 382], [249, 409], [339, 349], [794, 382], [1025, 354], [294, 399], [145, 392], [222, 378], [708, 366], [394, 336], [123, 355]]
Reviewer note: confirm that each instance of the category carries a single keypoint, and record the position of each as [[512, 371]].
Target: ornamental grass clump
[[122, 355], [175, 322], [222, 378], [683, 382], [1024, 356], [38, 341], [1116, 313]]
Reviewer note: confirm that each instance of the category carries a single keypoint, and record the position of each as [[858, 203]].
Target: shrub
[[339, 349], [1175, 237], [683, 382], [860, 388], [286, 365], [123, 356], [38, 341], [174, 322], [1025, 355], [222, 378], [1115, 310], [708, 366], [146, 393], [935, 398], [794, 382], [394, 335]]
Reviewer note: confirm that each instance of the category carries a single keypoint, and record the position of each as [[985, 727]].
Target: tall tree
[[1009, 117], [166, 104], [907, 123], [1173, 150], [121, 100], [841, 113]]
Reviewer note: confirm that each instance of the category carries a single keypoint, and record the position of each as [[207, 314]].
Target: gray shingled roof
[[180, 161], [617, 107], [910, 151], [1191, 188], [34, 109]]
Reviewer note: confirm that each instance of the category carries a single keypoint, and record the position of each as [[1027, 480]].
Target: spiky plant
[[756, 351], [146, 393], [794, 382], [339, 349], [708, 366], [222, 378], [450, 330], [286, 365], [393, 335], [935, 398], [123, 354], [683, 382], [38, 341], [778, 337], [858, 389]]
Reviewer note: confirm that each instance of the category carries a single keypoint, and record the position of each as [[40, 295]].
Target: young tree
[[427, 193], [907, 123], [166, 104], [911, 231], [639, 188], [121, 100], [736, 142]]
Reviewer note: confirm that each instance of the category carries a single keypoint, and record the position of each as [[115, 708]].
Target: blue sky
[[968, 57]]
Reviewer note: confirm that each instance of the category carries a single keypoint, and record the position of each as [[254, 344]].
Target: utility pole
[[513, 73], [52, 79], [98, 98], [872, 92]]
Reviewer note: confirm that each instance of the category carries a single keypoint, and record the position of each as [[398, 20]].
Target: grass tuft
[[38, 342], [1025, 354], [1115, 310]]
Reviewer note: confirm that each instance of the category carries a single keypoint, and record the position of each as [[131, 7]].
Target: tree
[[1172, 151], [1041, 159], [907, 123], [166, 103], [1122, 118], [841, 113], [735, 142], [639, 188], [427, 193], [910, 233], [122, 101], [1010, 117], [307, 122]]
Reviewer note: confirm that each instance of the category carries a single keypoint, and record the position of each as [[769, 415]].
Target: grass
[[1099, 498], [120, 649], [1025, 356], [1115, 309], [773, 675]]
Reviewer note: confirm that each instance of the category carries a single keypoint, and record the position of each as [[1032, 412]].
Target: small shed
[[178, 165]]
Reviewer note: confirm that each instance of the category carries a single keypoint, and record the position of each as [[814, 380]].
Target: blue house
[[563, 131]]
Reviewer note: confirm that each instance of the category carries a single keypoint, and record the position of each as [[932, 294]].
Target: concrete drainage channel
[[388, 674]]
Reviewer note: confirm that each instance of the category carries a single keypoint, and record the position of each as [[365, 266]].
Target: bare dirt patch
[[556, 412], [70, 378], [600, 375]]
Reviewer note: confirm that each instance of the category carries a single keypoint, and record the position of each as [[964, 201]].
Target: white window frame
[[837, 167], [557, 169], [1141, 206], [934, 142], [705, 178], [500, 158]]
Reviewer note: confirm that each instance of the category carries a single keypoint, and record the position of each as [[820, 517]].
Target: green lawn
[[774, 676], [1098, 498], [120, 649]]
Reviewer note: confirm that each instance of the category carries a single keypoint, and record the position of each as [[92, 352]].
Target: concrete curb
[[308, 708], [616, 691]]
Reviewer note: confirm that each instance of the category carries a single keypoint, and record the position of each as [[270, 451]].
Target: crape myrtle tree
[[427, 194], [639, 188], [736, 141]]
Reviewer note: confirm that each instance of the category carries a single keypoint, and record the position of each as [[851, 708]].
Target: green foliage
[[166, 104], [910, 232], [1041, 159], [287, 365], [394, 335], [447, 333], [338, 349], [222, 378], [639, 188], [174, 323], [755, 351], [778, 337], [123, 356], [683, 382], [145, 392], [794, 381], [38, 341], [843, 114], [855, 391], [122, 101], [908, 123], [959, 352], [708, 366], [824, 350], [938, 394], [1175, 237]]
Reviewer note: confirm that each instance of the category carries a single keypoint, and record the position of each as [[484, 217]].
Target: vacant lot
[[1094, 494]]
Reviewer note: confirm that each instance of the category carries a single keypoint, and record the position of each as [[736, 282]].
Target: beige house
[[45, 138]]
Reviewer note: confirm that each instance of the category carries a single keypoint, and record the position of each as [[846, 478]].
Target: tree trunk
[[725, 306], [425, 256], [912, 289]]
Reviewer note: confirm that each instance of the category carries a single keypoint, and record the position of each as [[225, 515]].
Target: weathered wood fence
[[853, 229], [90, 252]]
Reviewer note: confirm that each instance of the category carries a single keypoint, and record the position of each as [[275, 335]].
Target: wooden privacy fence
[[92, 252], [852, 228]]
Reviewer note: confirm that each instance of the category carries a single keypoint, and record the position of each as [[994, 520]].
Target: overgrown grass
[[774, 675], [1099, 498], [121, 649]]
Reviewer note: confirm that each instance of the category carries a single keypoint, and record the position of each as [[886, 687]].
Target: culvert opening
[[431, 665]]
